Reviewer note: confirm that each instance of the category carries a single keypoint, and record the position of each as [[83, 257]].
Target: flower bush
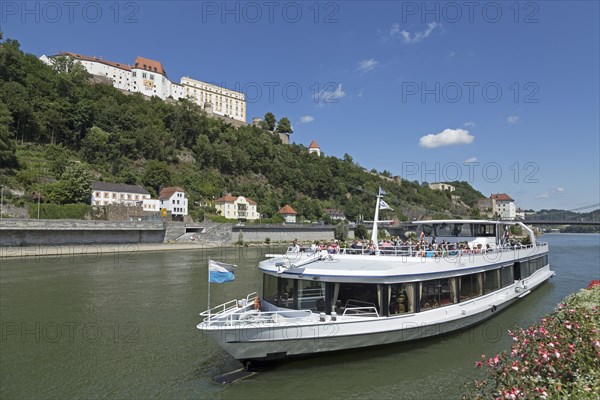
[[555, 359]]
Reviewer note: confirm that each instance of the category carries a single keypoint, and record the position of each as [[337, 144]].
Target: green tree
[[284, 126], [156, 175], [269, 121], [341, 231], [361, 232], [74, 186], [8, 157]]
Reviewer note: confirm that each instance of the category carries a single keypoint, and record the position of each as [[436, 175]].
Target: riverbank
[[97, 250]]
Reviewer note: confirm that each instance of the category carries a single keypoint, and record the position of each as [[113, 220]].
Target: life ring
[[494, 308]]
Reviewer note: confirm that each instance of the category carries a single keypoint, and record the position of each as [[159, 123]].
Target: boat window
[[481, 230], [443, 230], [461, 230], [270, 288], [437, 293], [491, 281], [471, 286], [402, 298], [506, 276], [311, 295], [357, 296]]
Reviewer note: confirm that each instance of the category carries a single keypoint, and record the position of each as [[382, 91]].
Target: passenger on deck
[[314, 246], [295, 246], [371, 248], [257, 304]]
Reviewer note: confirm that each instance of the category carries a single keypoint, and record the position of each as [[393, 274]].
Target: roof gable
[[149, 65], [501, 197], [118, 187], [168, 192], [287, 210]]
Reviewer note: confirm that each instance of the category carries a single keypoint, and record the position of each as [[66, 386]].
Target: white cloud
[[469, 124], [367, 65], [305, 119], [326, 95], [547, 194], [360, 94], [415, 37], [513, 119], [446, 138], [470, 160], [544, 195]]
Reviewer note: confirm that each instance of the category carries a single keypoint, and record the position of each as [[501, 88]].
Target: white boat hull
[[275, 340]]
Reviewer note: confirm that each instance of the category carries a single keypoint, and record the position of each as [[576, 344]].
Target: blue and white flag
[[219, 272], [382, 192], [384, 206]]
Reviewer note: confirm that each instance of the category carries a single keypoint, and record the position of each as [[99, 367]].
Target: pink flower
[[557, 354], [478, 364], [515, 366]]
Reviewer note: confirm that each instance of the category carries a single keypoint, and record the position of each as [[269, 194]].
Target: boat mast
[[376, 220]]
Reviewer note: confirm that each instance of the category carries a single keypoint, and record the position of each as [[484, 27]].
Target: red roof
[[95, 59], [149, 65], [501, 197], [313, 145], [232, 199], [287, 210], [167, 192]]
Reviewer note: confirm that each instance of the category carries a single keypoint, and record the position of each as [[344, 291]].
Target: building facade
[[225, 102], [104, 194], [505, 206], [149, 78], [441, 186], [487, 207], [173, 199], [237, 207]]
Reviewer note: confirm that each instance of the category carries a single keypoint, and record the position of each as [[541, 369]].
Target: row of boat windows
[[393, 299], [458, 230]]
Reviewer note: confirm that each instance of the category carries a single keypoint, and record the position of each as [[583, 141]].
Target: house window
[[151, 77], [144, 75]]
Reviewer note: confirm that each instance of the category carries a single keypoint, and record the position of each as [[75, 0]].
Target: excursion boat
[[316, 301]]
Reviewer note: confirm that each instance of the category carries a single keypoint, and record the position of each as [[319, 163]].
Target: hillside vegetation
[[59, 131]]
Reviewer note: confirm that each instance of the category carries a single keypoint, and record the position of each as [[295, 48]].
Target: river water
[[124, 326]]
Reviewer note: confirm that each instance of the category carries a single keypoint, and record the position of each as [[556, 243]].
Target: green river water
[[124, 326]]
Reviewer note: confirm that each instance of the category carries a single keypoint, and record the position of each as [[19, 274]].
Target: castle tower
[[314, 148]]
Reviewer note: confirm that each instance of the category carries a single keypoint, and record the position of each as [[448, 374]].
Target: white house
[[335, 214], [237, 207], [173, 199], [441, 186], [505, 206], [104, 194], [288, 214]]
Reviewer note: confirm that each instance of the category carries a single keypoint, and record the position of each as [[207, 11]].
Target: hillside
[[59, 131]]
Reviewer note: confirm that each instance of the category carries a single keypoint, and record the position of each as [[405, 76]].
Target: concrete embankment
[[31, 232], [93, 251], [63, 237]]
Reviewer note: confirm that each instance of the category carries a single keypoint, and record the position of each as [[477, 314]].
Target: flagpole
[[208, 277]]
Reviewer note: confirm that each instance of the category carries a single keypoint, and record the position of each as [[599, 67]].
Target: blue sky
[[415, 88]]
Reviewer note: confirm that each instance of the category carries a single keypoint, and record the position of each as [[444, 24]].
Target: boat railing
[[361, 312], [228, 306], [247, 317]]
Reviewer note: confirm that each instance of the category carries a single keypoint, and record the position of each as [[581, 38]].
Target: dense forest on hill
[[59, 131]]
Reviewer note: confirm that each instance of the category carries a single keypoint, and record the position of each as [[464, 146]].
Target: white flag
[[384, 206], [382, 192]]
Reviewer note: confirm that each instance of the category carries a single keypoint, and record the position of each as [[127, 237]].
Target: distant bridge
[[564, 222]]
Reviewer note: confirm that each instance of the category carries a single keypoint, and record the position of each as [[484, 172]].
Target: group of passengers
[[416, 248]]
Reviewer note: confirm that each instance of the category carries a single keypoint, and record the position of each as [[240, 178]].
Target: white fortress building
[[149, 78]]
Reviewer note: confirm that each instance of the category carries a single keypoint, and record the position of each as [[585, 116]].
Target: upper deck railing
[[450, 250]]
